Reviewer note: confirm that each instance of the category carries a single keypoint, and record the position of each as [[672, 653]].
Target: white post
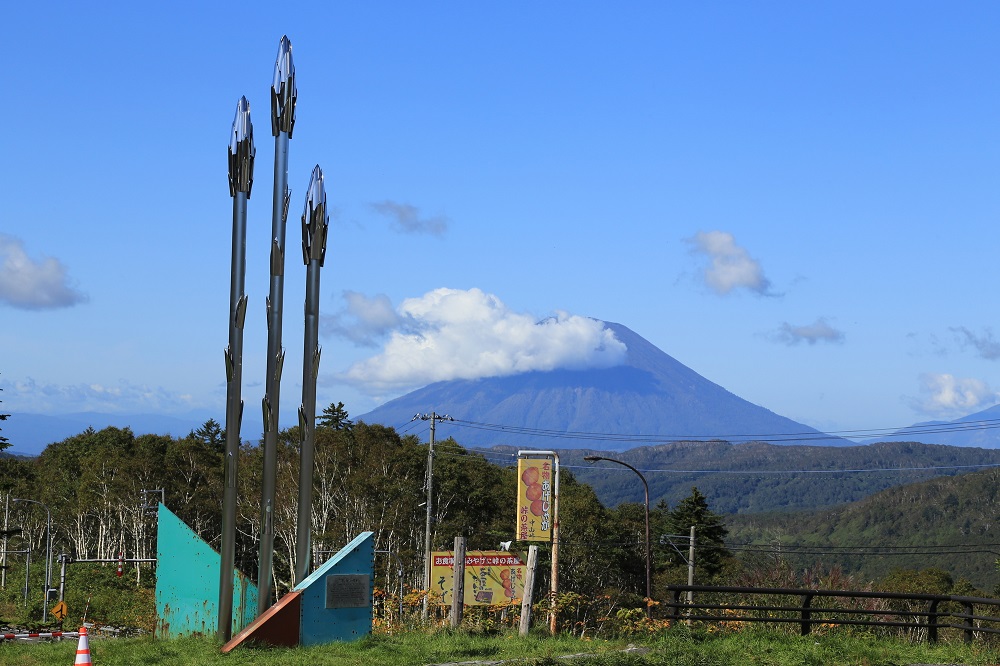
[[529, 591]]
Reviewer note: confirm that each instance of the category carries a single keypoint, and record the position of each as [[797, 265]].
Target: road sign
[[59, 611]]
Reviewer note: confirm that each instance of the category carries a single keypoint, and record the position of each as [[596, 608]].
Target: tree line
[[366, 477]]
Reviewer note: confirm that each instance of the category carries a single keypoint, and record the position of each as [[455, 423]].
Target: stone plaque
[[348, 591]]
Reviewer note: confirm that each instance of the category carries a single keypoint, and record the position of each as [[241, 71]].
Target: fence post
[[969, 624], [529, 591], [806, 625], [675, 598], [932, 621], [458, 589]]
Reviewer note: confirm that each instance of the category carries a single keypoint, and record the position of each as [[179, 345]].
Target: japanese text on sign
[[534, 499], [492, 578]]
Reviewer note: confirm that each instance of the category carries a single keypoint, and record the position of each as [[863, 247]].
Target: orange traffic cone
[[83, 649]]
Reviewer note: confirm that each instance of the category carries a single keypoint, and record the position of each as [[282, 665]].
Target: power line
[[966, 426], [860, 470], [501, 458]]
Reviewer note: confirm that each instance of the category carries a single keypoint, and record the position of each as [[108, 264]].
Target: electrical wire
[[860, 470], [966, 426]]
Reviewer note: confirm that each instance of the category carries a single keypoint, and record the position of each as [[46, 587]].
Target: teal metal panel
[[337, 597], [187, 583]]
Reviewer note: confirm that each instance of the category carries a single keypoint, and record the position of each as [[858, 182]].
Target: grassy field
[[677, 646]]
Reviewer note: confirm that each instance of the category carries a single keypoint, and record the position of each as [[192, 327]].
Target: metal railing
[[927, 613]]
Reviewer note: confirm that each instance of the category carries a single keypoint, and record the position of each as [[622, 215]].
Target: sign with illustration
[[534, 499], [492, 577]]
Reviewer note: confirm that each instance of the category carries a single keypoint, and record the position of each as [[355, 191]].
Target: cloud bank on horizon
[[30, 284], [463, 334]]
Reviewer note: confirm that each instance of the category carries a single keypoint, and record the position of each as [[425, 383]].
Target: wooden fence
[[922, 614]]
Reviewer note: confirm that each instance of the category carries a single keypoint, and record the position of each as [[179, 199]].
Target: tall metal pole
[[241, 155], [283, 96], [315, 224], [645, 486]]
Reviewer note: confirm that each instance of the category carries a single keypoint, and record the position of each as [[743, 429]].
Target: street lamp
[[48, 556], [649, 589]]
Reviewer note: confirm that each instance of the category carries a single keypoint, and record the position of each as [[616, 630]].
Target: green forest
[[371, 477]]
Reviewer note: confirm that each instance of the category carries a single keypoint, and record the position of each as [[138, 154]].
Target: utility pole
[[433, 417]]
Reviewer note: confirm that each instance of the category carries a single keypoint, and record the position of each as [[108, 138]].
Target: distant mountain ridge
[[981, 429], [650, 398], [29, 434]]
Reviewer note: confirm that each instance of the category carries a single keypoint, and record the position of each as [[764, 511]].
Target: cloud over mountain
[[946, 396], [467, 334], [30, 284]]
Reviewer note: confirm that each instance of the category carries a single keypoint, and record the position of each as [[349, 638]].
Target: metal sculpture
[[241, 156], [315, 223], [283, 97]]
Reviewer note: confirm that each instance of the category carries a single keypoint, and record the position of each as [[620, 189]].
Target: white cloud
[[29, 396], [947, 397], [731, 266], [454, 334], [363, 320], [406, 218], [818, 331], [33, 285]]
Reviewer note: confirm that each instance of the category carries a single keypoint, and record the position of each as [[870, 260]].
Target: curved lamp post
[[48, 556], [649, 589]]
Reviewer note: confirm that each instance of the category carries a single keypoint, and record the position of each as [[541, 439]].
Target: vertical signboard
[[492, 577], [534, 499]]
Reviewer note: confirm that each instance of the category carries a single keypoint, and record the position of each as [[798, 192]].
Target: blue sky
[[799, 201]]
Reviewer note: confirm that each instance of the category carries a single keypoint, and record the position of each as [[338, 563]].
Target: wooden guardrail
[[914, 611]]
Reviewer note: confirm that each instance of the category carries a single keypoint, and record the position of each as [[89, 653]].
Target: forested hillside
[[757, 477], [950, 523], [367, 477]]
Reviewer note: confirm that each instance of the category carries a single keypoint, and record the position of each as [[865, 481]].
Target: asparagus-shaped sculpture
[[315, 223], [283, 96], [241, 154]]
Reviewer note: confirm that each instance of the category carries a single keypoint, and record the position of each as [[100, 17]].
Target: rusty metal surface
[[187, 583], [278, 625]]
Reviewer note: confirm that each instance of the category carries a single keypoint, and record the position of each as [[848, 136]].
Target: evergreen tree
[[709, 531], [212, 434], [335, 417]]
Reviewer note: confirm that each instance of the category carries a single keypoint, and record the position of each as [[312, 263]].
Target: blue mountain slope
[[651, 398], [981, 430]]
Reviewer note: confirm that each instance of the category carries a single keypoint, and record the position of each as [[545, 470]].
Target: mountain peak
[[650, 398]]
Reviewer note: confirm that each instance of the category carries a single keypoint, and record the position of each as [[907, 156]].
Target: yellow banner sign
[[534, 499], [492, 577]]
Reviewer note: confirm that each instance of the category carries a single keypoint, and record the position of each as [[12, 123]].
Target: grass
[[677, 647]]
